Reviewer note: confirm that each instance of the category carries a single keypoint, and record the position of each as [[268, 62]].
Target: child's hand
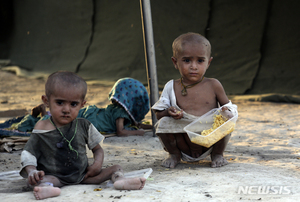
[[225, 112], [176, 114], [92, 170], [96, 167], [35, 176]]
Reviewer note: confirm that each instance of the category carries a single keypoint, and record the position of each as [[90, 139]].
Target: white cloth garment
[[188, 158], [170, 125]]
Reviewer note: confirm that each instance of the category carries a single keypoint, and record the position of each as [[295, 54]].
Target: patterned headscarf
[[133, 96]]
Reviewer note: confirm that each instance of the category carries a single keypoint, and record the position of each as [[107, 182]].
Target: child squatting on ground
[[55, 154], [185, 99]]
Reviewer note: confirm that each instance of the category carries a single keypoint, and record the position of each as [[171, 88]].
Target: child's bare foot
[[218, 161], [171, 161], [130, 183], [39, 109], [45, 192]]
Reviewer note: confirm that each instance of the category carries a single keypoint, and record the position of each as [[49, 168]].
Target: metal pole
[[149, 54]]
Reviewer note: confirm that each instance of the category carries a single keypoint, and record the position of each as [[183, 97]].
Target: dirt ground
[[263, 155]]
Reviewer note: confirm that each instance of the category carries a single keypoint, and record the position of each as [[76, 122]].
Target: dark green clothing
[[54, 155], [104, 119]]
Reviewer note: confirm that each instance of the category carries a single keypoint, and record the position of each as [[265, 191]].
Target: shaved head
[[189, 38]]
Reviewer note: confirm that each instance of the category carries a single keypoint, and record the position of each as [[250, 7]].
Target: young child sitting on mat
[[55, 154], [185, 99]]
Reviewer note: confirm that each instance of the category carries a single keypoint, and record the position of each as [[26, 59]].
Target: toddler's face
[[65, 104], [192, 62]]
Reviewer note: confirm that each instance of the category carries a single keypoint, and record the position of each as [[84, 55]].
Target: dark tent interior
[[255, 43]]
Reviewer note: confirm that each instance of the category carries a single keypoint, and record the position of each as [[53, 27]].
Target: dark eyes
[[59, 102], [74, 104], [188, 60]]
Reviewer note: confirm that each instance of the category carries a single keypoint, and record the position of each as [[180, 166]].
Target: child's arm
[[171, 111], [222, 98], [96, 167], [121, 131], [220, 92], [34, 175]]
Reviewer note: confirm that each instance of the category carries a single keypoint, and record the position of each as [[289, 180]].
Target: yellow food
[[98, 189], [218, 121], [208, 141]]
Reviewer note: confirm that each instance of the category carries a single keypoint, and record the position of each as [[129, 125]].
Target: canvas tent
[[255, 42]]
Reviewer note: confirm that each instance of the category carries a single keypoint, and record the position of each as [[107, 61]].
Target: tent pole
[[149, 54]]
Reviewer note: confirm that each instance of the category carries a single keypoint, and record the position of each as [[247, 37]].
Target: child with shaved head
[[55, 154], [184, 100]]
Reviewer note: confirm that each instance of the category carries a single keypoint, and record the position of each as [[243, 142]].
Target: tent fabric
[[117, 49], [279, 70], [170, 19], [50, 35], [255, 43], [235, 33]]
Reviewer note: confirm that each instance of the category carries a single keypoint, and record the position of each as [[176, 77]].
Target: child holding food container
[[186, 99]]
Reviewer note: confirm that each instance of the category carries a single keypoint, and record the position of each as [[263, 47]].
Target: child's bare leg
[[39, 109], [121, 183], [105, 174], [115, 173], [217, 159], [47, 188], [170, 144]]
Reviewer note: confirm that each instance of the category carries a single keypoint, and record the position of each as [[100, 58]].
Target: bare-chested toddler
[[55, 154], [185, 99]]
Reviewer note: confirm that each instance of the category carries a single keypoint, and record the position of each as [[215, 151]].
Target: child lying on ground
[[185, 99], [130, 104], [55, 154]]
